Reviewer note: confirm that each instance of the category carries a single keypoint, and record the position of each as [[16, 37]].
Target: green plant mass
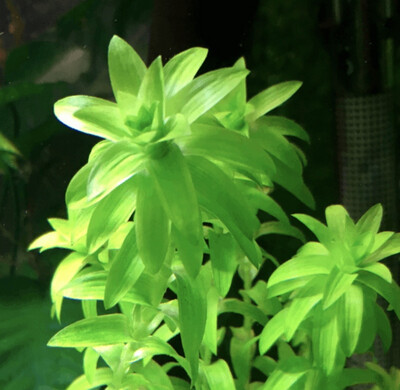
[[164, 216]]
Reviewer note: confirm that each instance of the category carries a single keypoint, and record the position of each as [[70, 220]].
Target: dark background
[[49, 50]]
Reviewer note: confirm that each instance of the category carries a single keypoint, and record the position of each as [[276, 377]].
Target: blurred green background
[[49, 50]]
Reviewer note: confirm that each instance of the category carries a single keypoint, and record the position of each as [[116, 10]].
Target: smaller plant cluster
[[164, 215]]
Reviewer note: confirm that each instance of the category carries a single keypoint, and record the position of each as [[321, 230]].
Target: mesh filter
[[367, 175]]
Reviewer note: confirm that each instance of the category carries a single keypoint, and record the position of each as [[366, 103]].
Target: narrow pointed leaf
[[192, 318], [210, 332], [219, 376], [102, 376], [380, 270], [112, 168], [152, 87], [225, 145], [383, 327], [152, 226], [223, 260], [318, 228], [272, 331], [50, 240], [201, 94], [90, 359], [389, 248], [91, 115], [350, 320], [337, 284], [371, 220], [111, 212], [126, 68], [175, 188], [271, 98], [247, 310], [102, 330], [182, 68], [125, 270], [277, 227]]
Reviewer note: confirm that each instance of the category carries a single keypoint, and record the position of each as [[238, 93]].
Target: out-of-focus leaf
[[125, 270], [201, 94], [102, 330], [223, 260], [103, 376], [91, 115], [383, 327], [152, 226], [111, 212], [182, 68], [210, 332], [219, 376], [126, 68], [271, 98], [277, 227], [90, 359], [192, 318]]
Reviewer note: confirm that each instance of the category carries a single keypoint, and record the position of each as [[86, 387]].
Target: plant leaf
[[351, 307], [96, 331], [318, 228], [384, 328], [223, 260], [102, 376], [272, 331], [201, 94], [152, 226], [219, 376], [90, 359], [271, 98], [125, 270], [389, 248], [225, 145], [111, 212], [182, 68], [371, 220], [126, 68], [278, 227], [91, 115], [210, 332], [192, 318]]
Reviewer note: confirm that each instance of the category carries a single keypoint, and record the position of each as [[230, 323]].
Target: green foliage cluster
[[164, 215]]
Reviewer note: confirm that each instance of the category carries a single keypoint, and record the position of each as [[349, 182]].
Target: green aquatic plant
[[165, 214]]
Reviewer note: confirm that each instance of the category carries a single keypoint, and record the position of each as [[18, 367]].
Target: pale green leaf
[[318, 228], [350, 319], [125, 270], [337, 219], [271, 98], [380, 270], [90, 359], [219, 376], [126, 68], [152, 87], [219, 196], [284, 127], [389, 248], [337, 284], [177, 193], [111, 212], [287, 373], [299, 267], [277, 227], [272, 331], [225, 145], [223, 260], [102, 376], [182, 68], [102, 330], [371, 220], [50, 240], [192, 318], [201, 94], [91, 115], [152, 226], [117, 164], [210, 332]]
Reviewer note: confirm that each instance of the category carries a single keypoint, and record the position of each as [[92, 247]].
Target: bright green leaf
[[90, 359], [102, 376], [371, 220], [272, 331], [219, 376], [102, 330]]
